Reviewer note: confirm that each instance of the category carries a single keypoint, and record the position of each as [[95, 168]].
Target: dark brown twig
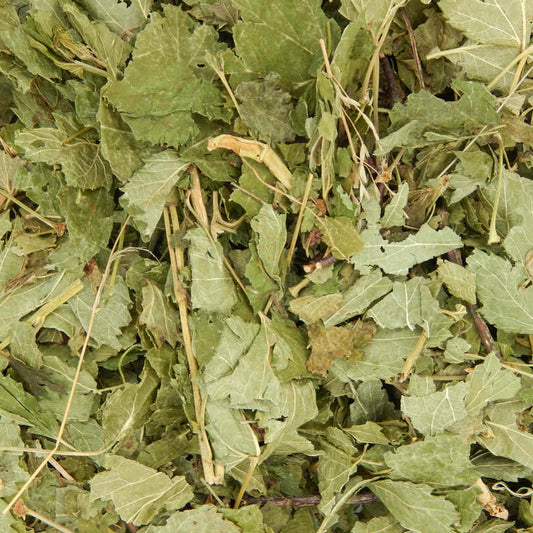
[[412, 39], [307, 501], [395, 93], [483, 330]]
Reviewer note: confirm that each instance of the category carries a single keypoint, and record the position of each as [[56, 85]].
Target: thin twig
[[213, 473], [363, 498], [414, 48], [484, 333], [22, 205], [22, 510], [294, 240], [81, 359]]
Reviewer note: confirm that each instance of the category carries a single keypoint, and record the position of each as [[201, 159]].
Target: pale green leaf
[[272, 234], [490, 382], [359, 296], [126, 409], [120, 17], [264, 108], [399, 257], [147, 190], [159, 106], [139, 493], [435, 412], [519, 242], [442, 460], [459, 281], [111, 316], [394, 214], [18, 405], [371, 403], [280, 36], [230, 434], [212, 287], [368, 432], [118, 145], [411, 304], [110, 48], [80, 161], [204, 519], [159, 316], [505, 438], [504, 303], [466, 502], [501, 22], [383, 524], [493, 526], [340, 235], [335, 466], [415, 507], [383, 359], [312, 308]]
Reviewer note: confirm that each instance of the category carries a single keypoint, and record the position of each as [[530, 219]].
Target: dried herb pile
[[266, 265]]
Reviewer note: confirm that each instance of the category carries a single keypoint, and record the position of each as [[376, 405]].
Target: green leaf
[[159, 316], [383, 524], [438, 411], [265, 108], [212, 287], [368, 432], [359, 297], [490, 382], [399, 257], [126, 409], [504, 303], [312, 308], [81, 161], [231, 436], [147, 190], [139, 493], [89, 222], [383, 359], [118, 144], [200, 520], [426, 119], [280, 36], [18, 405], [394, 215], [505, 438], [159, 108], [411, 304], [442, 460], [111, 50], [272, 235], [459, 281], [370, 403], [112, 314], [335, 466], [415, 507], [498, 22], [340, 235], [119, 16]]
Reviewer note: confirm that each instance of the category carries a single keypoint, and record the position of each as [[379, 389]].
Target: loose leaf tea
[[266, 266]]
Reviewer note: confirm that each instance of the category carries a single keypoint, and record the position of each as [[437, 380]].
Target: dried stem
[[414, 48], [307, 501], [483, 330], [294, 240], [213, 473]]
